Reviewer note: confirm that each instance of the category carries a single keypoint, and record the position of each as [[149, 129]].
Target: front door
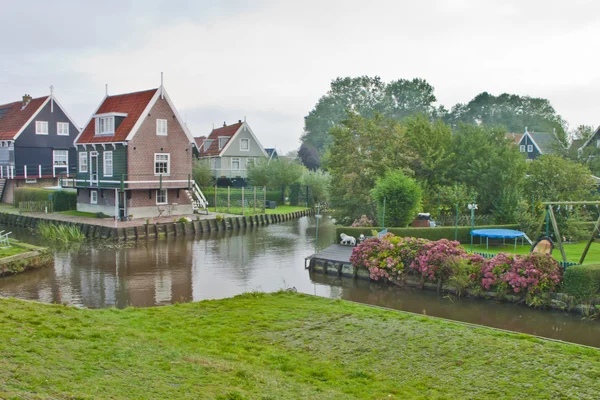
[[93, 168]]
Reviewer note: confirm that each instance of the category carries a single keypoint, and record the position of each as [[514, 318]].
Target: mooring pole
[[383, 216], [456, 224], [318, 216]]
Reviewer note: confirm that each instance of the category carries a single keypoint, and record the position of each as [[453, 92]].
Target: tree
[[309, 155], [202, 173], [362, 151], [318, 182], [284, 171], [554, 178], [405, 97], [258, 173], [401, 196]]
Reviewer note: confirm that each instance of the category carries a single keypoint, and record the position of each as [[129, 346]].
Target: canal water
[[268, 258]]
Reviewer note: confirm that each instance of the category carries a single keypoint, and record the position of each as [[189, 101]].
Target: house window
[[83, 162], [60, 157], [62, 128], [529, 148], [41, 127], [161, 127], [597, 143], [94, 197], [161, 196], [108, 163], [105, 126], [162, 164], [249, 161], [245, 144], [222, 142], [213, 163], [235, 164], [522, 148]]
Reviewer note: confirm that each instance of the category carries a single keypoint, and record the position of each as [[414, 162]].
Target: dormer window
[[207, 144], [105, 125], [223, 142]]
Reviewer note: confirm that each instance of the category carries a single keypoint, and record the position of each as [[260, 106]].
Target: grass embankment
[[250, 210], [573, 251], [12, 251], [76, 213], [278, 346]]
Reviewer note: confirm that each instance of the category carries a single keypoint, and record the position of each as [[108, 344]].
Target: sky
[[271, 61]]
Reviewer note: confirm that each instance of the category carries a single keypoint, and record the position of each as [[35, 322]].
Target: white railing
[[229, 173]]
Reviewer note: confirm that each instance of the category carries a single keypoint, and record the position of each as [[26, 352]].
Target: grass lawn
[[76, 213], [12, 250], [277, 346], [250, 210], [572, 250]]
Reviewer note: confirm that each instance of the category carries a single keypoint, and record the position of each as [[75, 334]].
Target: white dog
[[347, 239]]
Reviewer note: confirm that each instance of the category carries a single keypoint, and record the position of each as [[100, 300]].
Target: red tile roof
[[213, 148], [133, 104], [515, 137], [199, 141], [12, 118]]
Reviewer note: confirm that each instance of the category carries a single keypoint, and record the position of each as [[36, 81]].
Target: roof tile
[[12, 117], [228, 131]]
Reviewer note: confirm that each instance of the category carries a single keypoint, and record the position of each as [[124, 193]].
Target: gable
[[234, 145], [14, 118], [592, 141]]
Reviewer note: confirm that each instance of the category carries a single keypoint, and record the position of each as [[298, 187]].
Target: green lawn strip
[[12, 250], [573, 251], [76, 213], [276, 346]]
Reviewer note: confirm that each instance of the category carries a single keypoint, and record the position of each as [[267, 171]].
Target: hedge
[[62, 200], [236, 193], [437, 233], [582, 281]]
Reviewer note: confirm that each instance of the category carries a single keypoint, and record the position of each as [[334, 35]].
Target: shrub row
[[582, 281], [236, 195], [443, 261], [437, 233], [62, 200]]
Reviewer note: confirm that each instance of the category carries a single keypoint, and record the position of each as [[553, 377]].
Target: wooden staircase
[[197, 198], [2, 187]]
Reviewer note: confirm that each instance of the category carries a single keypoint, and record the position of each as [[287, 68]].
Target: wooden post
[[557, 233], [587, 246], [242, 200], [215, 197], [265, 197], [228, 198], [254, 199]]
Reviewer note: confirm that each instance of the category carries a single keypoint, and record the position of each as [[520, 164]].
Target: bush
[[62, 200], [445, 232], [363, 221], [402, 196], [62, 234], [582, 281]]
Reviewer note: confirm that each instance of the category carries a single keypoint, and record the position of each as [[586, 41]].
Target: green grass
[[79, 213], [250, 210], [278, 346], [573, 251], [12, 251]]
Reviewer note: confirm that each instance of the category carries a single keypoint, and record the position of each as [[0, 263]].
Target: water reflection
[[223, 264]]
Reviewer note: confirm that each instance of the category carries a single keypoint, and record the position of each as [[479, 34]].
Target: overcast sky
[[271, 61]]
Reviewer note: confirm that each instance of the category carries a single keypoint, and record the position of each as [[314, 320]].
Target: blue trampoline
[[499, 234]]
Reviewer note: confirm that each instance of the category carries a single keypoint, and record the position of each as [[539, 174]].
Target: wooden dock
[[335, 260]]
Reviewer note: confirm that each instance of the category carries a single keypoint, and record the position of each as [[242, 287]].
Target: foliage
[[443, 232], [401, 195], [531, 224], [506, 207], [278, 346], [362, 151], [451, 195], [258, 173], [59, 233], [363, 221], [381, 257], [582, 281], [464, 273], [554, 178], [62, 200], [182, 219], [433, 260], [203, 176], [318, 182], [284, 171]]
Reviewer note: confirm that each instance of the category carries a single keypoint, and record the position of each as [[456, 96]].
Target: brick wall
[[106, 197], [141, 198]]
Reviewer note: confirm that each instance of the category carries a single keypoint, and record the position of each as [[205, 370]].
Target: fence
[[564, 264], [243, 201], [300, 195], [36, 206]]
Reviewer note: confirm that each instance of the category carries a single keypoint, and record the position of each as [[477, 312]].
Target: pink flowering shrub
[[362, 221], [433, 259], [532, 273]]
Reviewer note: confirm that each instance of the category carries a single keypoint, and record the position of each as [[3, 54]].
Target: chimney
[[26, 100], [239, 121], [224, 124]]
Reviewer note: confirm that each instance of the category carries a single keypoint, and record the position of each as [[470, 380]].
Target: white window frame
[[598, 143], [66, 153], [93, 197], [238, 163], [529, 148], [105, 159], [166, 196], [522, 148], [156, 155], [83, 157], [161, 127], [245, 140], [225, 138], [41, 127], [105, 125], [65, 128]]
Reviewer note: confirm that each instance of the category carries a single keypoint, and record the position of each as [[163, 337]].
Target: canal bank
[[27, 257], [281, 345], [150, 229]]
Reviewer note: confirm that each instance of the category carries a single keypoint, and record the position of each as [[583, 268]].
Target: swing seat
[[543, 245]]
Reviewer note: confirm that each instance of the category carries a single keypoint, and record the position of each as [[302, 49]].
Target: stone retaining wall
[[151, 231], [37, 257]]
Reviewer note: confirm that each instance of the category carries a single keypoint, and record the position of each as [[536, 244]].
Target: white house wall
[[234, 147]]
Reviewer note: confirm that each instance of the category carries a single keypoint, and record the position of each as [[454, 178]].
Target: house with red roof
[[229, 150], [36, 144], [134, 159]]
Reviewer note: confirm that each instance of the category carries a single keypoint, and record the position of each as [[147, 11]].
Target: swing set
[[551, 219]]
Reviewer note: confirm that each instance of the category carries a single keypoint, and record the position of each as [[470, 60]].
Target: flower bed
[[392, 258]]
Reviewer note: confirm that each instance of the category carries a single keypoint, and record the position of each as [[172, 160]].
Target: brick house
[[36, 144], [229, 150], [134, 158]]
